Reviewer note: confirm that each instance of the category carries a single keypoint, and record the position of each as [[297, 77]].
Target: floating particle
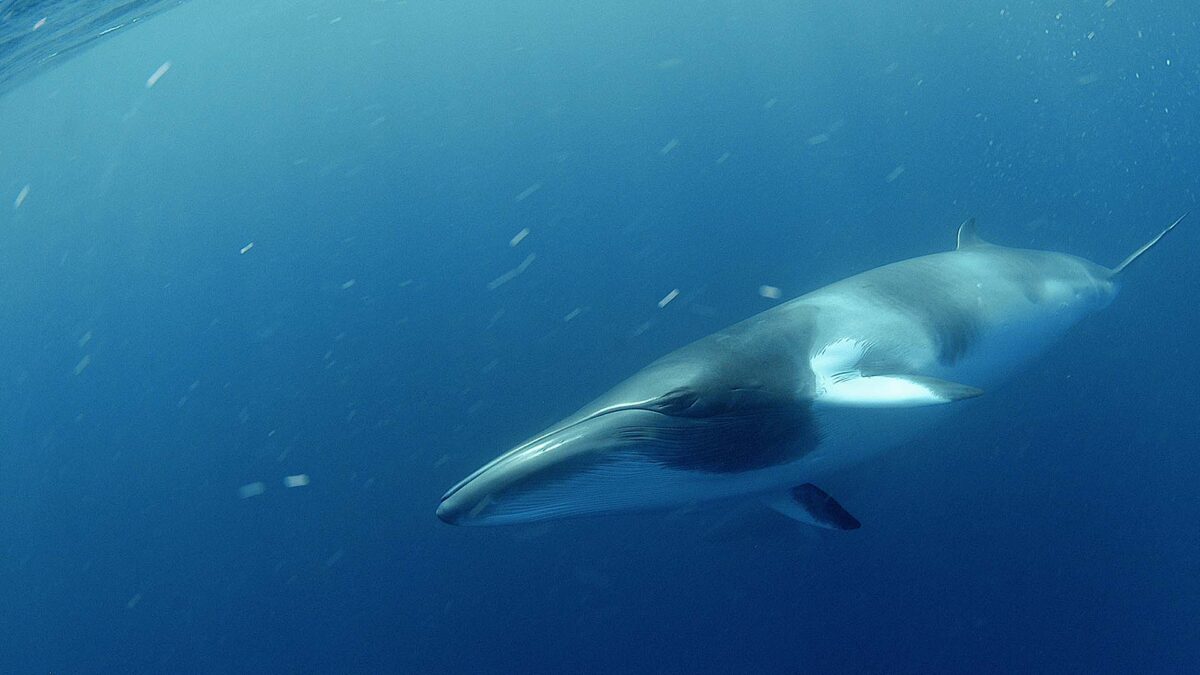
[[894, 174], [162, 70], [85, 338], [441, 461], [769, 292], [137, 597], [21, 197], [818, 139], [722, 158], [519, 237], [523, 194], [83, 363], [511, 274], [41, 22], [671, 145], [668, 64], [770, 103], [572, 314], [668, 298], [298, 480], [246, 248], [252, 490], [1088, 79], [347, 284], [333, 559]]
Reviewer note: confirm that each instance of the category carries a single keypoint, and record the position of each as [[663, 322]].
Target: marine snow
[[666, 300], [524, 194], [157, 75], [252, 489]]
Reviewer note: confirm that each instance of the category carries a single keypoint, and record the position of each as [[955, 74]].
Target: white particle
[[162, 70], [252, 490], [347, 284], [671, 145], [511, 274], [21, 197], [41, 22], [519, 237], [523, 194], [298, 480], [83, 363], [246, 248], [894, 174], [769, 292], [668, 298]]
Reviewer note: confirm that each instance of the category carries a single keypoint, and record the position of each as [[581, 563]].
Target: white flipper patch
[[841, 383]]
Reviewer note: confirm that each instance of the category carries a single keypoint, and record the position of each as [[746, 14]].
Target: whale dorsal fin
[[968, 235]]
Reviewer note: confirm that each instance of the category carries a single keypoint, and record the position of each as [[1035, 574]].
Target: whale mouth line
[[642, 406]]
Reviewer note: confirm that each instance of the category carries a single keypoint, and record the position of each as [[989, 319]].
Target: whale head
[[693, 426]]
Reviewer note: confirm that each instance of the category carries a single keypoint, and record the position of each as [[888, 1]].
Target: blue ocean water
[[242, 242]]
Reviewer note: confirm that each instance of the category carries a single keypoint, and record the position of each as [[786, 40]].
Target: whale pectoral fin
[[811, 505], [893, 391]]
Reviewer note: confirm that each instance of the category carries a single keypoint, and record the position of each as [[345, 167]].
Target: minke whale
[[769, 406]]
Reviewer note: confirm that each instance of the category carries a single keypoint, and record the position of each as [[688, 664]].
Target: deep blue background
[[386, 143]]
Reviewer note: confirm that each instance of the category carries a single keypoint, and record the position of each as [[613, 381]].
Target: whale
[[769, 407]]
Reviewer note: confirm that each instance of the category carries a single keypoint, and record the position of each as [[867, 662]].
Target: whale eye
[[677, 402]]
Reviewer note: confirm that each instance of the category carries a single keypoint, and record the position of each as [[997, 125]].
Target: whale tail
[[1116, 271]]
